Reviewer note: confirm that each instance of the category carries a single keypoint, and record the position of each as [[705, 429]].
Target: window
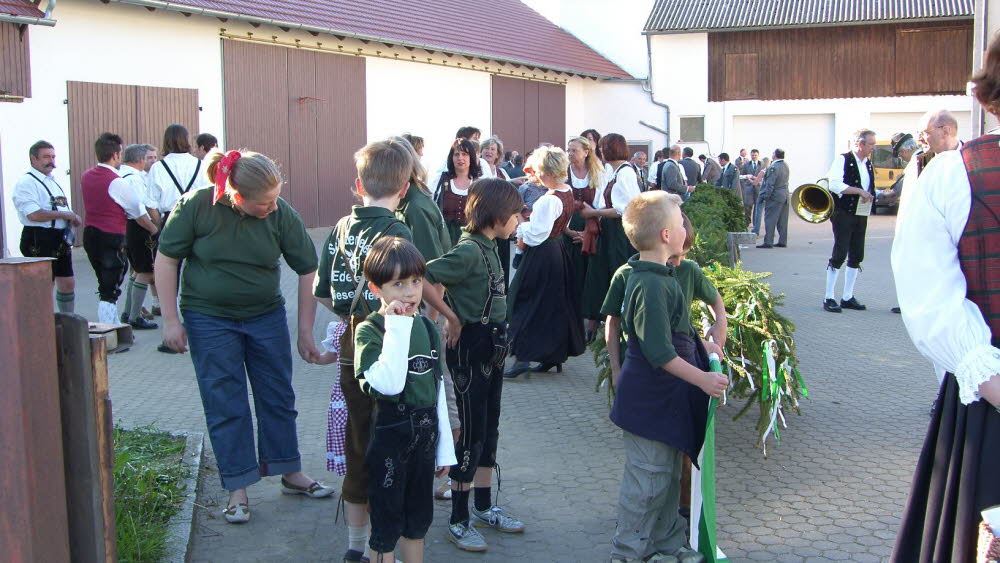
[[741, 76], [692, 129], [15, 72]]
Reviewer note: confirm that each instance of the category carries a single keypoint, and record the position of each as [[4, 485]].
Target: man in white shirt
[[109, 200], [139, 241], [852, 183], [205, 146], [48, 221], [177, 173]]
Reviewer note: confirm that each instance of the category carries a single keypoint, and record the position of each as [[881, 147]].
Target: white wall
[[618, 107], [808, 142], [69, 51], [429, 101]]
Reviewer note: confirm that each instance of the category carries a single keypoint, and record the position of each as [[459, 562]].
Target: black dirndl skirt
[[545, 321], [613, 250], [957, 476]]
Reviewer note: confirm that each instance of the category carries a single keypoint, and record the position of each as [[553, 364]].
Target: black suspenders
[[52, 199], [177, 184]]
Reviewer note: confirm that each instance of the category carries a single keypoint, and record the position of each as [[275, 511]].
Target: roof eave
[[26, 20], [802, 25], [174, 7]]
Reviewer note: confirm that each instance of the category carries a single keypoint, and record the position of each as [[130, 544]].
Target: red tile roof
[[20, 8], [504, 30]]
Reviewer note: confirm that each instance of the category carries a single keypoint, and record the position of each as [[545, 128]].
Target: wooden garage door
[[138, 113], [526, 113], [304, 109]]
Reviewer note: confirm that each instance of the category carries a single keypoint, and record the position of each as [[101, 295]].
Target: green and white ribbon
[[702, 525]]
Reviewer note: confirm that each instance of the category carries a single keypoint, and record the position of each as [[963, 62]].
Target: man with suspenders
[[48, 221], [173, 176]]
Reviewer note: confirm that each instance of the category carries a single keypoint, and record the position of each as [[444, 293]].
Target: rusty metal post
[[33, 523]]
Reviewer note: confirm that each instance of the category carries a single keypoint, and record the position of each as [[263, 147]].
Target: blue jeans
[[227, 352]]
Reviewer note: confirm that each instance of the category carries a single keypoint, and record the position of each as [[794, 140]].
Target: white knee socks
[[849, 278], [831, 281], [357, 538]]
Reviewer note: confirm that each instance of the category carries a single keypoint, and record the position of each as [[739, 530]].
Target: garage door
[[806, 138], [138, 113], [527, 113], [305, 110], [886, 124]]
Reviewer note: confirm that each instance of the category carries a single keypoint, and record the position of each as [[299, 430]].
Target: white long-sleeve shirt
[[30, 196], [625, 189], [544, 214], [138, 180], [162, 189], [388, 376], [124, 195], [836, 174], [945, 327]]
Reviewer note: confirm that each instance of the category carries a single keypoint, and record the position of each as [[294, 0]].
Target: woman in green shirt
[[231, 237]]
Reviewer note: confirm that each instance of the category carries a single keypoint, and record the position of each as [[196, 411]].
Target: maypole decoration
[[702, 524]]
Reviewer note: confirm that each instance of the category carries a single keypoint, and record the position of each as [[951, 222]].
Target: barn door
[[138, 113], [304, 109], [526, 113]]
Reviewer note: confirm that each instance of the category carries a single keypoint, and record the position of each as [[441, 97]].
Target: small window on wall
[[741, 76], [692, 129]]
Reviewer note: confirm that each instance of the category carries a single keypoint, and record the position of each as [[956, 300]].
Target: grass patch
[[149, 488]]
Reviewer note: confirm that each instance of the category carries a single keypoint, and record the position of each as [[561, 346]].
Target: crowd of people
[[418, 276]]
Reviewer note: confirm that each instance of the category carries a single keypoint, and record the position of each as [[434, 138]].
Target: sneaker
[[466, 538], [494, 517]]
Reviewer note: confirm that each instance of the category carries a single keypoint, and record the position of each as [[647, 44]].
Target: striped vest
[[979, 247]]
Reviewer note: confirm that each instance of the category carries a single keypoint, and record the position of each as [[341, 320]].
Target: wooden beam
[[33, 522]]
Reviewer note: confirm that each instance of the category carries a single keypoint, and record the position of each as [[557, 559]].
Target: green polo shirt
[[421, 388], [694, 283], [614, 300], [423, 217], [465, 277], [654, 310], [335, 279], [231, 260]]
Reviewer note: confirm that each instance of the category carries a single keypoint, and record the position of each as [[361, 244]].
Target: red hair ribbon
[[222, 174]]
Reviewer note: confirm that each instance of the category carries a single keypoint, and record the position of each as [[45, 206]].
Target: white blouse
[[544, 213], [626, 189], [945, 327]]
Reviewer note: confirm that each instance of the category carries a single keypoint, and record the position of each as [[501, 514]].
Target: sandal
[[314, 490], [237, 514]]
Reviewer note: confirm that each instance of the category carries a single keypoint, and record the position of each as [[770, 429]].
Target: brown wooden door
[[138, 113], [305, 110], [526, 113]]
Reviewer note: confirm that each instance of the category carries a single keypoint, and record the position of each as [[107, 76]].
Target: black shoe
[[517, 369], [852, 303], [124, 317], [142, 324], [765, 246], [831, 306], [355, 556], [165, 349], [779, 245], [544, 367], [896, 310]]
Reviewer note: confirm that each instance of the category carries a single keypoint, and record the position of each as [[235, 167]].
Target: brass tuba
[[813, 202]]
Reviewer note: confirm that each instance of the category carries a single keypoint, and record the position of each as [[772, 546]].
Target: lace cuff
[[976, 368]]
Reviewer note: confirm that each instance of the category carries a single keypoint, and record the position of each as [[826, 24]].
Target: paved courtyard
[[832, 491]]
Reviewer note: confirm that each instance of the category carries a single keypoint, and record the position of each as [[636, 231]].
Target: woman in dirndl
[[613, 247], [951, 307], [587, 178], [451, 190], [545, 325]]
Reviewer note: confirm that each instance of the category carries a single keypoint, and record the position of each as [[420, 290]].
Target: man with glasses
[[852, 183]]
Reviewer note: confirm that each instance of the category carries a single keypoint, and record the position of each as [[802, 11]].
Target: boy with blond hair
[[662, 394], [384, 169]]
